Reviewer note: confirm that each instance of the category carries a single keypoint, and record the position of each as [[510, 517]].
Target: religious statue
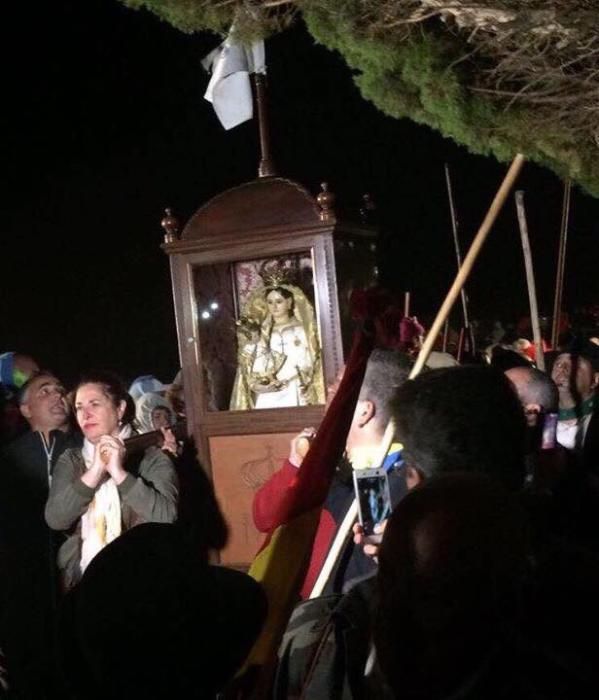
[[279, 360]]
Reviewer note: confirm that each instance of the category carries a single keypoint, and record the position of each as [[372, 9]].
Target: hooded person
[[152, 412], [145, 384]]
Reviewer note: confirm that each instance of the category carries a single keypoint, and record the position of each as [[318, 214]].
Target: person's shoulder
[[18, 444], [68, 439]]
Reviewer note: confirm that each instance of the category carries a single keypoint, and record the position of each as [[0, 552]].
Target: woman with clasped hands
[[98, 491]]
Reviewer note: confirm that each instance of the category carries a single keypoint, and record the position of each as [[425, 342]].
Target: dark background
[[105, 125]]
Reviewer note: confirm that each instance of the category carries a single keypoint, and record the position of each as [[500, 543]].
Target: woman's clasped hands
[[108, 459]]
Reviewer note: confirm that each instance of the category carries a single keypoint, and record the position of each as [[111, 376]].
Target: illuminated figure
[[279, 360]]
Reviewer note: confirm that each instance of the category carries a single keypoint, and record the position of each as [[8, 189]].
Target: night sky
[[105, 125]]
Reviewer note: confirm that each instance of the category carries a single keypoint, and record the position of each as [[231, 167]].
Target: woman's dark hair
[[285, 293], [112, 386]]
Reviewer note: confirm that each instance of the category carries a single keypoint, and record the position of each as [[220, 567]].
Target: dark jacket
[[28, 576]]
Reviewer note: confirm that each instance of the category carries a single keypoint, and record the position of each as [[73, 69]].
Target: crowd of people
[[481, 584]]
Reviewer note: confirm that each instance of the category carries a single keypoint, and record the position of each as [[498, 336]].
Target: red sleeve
[[268, 498]]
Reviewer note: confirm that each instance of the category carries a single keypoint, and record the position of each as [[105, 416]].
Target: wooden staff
[[442, 315], [468, 263], [460, 350], [266, 167], [561, 265], [406, 304], [530, 281], [456, 243]]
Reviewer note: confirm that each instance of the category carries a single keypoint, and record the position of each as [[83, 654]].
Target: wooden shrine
[[253, 376]]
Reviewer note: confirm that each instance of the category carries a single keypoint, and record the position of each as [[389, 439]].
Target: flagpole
[[266, 167], [561, 265], [443, 313], [530, 281]]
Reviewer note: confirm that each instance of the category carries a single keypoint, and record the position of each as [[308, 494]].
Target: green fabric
[[584, 409], [19, 378]]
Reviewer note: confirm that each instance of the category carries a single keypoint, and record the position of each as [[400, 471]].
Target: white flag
[[229, 88]]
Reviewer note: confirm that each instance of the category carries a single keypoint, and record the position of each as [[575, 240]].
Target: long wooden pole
[[468, 263], [561, 265], [266, 167], [442, 315], [456, 242], [445, 335], [530, 281]]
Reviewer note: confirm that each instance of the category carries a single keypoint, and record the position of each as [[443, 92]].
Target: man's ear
[[595, 381], [366, 412], [25, 410], [413, 478]]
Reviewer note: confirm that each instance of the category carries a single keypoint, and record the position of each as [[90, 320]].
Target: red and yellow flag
[[281, 564]]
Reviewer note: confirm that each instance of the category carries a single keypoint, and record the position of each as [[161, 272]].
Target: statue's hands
[[305, 391], [262, 387]]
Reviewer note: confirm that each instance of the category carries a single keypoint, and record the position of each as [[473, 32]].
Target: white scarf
[[101, 522]]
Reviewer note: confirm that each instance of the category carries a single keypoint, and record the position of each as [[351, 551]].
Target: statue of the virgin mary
[[279, 359]]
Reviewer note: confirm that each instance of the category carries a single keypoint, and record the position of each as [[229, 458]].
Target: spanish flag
[[281, 564]]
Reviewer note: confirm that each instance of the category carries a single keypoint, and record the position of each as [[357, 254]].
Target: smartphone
[[373, 497], [548, 439]]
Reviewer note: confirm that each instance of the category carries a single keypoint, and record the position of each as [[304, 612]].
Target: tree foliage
[[498, 77]]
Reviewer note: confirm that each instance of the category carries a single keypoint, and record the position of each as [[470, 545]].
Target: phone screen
[[372, 493], [548, 441]]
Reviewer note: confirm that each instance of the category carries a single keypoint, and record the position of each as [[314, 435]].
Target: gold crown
[[275, 272]]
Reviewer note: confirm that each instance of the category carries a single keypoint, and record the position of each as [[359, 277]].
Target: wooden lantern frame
[[270, 217]]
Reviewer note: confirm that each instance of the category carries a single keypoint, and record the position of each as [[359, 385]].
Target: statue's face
[[278, 306]]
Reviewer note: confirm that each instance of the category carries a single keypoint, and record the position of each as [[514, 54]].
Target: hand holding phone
[[373, 498]]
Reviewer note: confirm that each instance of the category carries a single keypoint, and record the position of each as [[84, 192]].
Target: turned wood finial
[[325, 200], [170, 224]]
